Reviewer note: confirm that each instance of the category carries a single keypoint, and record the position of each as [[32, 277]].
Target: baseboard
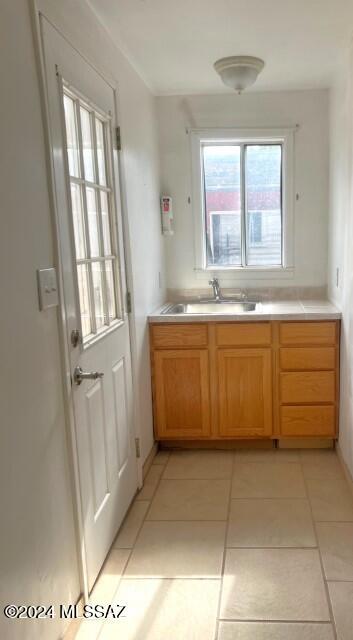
[[345, 469], [149, 460]]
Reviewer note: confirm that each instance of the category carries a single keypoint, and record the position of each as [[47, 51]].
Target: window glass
[[87, 144], [92, 214], [100, 152], [98, 294], [242, 194], [71, 137], [222, 204], [263, 204], [106, 224], [110, 289], [77, 214], [83, 289]]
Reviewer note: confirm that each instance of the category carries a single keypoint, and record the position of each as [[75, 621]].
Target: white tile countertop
[[276, 310]]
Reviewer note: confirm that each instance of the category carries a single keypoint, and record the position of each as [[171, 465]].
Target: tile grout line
[[272, 498], [340, 580], [225, 548], [104, 621], [259, 620], [157, 485], [143, 520], [332, 619], [301, 548]]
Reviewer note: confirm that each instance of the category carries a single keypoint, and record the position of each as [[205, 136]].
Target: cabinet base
[[305, 443], [281, 443]]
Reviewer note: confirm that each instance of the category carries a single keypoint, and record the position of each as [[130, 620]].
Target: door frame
[[36, 15]]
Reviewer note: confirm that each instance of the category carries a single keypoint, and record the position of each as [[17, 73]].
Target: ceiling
[[174, 43]]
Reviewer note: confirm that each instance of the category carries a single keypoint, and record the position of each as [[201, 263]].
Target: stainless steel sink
[[206, 307]]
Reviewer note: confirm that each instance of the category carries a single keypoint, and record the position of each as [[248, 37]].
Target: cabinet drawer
[[308, 421], [181, 335], [307, 358], [243, 335], [311, 333], [313, 386]]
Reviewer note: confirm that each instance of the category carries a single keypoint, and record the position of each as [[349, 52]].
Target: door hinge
[[118, 138], [128, 302], [137, 447]]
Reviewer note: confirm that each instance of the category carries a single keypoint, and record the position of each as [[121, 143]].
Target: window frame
[[204, 137]]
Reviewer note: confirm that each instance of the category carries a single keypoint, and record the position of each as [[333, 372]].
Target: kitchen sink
[[200, 307]]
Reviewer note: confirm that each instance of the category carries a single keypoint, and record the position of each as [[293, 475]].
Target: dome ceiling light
[[239, 72]]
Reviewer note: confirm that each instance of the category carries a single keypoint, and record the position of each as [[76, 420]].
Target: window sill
[[245, 273]]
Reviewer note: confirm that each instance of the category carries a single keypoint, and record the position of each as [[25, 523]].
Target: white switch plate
[[47, 288]]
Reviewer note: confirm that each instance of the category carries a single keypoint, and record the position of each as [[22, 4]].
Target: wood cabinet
[[232, 380], [244, 393], [182, 394]]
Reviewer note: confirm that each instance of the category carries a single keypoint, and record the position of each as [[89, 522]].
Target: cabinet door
[[181, 393], [245, 392]]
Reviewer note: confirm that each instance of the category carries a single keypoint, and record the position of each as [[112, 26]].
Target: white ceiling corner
[[173, 44]]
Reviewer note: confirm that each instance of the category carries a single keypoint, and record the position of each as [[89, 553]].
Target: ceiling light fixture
[[239, 72]]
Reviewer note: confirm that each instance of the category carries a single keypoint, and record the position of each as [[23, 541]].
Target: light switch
[[47, 288]]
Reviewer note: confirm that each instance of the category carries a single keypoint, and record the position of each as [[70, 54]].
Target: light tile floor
[[250, 545]]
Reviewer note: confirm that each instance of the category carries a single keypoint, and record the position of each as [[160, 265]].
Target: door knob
[[80, 375]]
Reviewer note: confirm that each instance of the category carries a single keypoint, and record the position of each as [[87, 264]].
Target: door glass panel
[[92, 211], [83, 289], [222, 204], [71, 137], [92, 221], [87, 144], [98, 294], [107, 245], [102, 178], [110, 289], [77, 214]]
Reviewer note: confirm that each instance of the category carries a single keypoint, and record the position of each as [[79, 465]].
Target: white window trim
[[283, 135]]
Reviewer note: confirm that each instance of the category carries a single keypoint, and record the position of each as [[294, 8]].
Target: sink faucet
[[216, 288]]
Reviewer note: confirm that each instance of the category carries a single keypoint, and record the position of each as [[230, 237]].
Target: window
[[90, 177], [242, 195]]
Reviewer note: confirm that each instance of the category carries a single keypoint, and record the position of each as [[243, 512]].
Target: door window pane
[[71, 137], [222, 204], [96, 257], [92, 215], [264, 204], [82, 278], [77, 214], [106, 224], [110, 290], [87, 144], [98, 294], [102, 178]]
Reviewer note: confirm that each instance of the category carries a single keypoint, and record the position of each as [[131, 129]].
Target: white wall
[[309, 109], [37, 544], [341, 239], [37, 550]]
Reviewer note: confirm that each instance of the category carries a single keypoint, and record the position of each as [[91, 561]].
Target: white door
[[82, 115]]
